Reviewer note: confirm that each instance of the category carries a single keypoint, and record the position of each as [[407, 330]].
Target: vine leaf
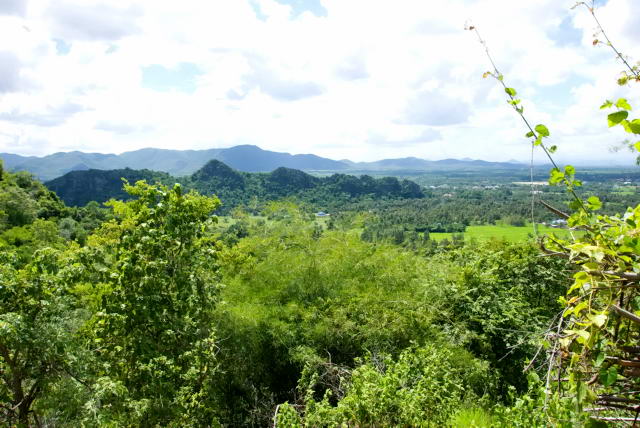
[[606, 104], [623, 104], [594, 203], [632, 127], [599, 320], [608, 376], [570, 170], [542, 130], [617, 117], [556, 176]]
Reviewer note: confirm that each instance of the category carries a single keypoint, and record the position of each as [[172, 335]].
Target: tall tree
[[153, 330]]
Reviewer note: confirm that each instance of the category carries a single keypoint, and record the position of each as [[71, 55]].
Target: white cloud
[[51, 116], [367, 81], [9, 72], [13, 7], [435, 108], [82, 21]]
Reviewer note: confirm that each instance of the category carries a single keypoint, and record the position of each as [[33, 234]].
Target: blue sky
[[298, 7], [356, 79], [182, 77]]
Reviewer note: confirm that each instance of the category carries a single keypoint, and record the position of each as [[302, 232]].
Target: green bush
[[423, 387]]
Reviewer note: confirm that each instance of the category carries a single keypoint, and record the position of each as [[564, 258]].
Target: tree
[[36, 327], [154, 327]]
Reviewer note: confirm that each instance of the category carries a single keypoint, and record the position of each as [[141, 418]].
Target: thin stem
[[618, 54], [499, 76], [533, 194]]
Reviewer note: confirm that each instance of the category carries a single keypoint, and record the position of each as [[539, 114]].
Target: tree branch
[[554, 210], [626, 314]]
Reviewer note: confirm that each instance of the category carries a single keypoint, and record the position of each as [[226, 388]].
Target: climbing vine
[[593, 348]]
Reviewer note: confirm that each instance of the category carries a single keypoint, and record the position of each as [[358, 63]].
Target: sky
[[345, 79]]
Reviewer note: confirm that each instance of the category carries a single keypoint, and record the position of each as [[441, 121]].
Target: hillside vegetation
[[234, 187], [131, 326]]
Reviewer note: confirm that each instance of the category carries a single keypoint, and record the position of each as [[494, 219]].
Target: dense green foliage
[[78, 188], [316, 302], [143, 338], [236, 188], [423, 387], [154, 325], [37, 323]]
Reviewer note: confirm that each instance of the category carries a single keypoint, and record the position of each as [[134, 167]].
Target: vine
[[593, 350]]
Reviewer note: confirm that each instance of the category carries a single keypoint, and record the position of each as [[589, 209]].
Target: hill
[[77, 188], [246, 158], [235, 187]]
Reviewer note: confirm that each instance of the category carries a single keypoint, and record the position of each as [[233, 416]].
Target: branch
[[610, 399], [613, 419], [549, 252], [554, 210], [275, 417], [609, 406], [624, 275], [532, 132], [626, 314], [624, 363]]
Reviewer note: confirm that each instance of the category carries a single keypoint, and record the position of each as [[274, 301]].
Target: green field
[[625, 190], [508, 233]]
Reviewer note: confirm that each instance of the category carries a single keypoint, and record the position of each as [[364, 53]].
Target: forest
[[151, 313]]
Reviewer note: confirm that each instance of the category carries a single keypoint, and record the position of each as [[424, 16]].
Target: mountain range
[[245, 158]]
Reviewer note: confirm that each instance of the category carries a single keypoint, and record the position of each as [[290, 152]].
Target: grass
[[472, 418], [506, 232], [625, 191], [479, 233]]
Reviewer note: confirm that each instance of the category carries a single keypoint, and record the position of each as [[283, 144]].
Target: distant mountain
[[244, 158], [11, 160], [235, 187], [253, 159], [393, 164], [57, 164], [417, 164], [175, 162]]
